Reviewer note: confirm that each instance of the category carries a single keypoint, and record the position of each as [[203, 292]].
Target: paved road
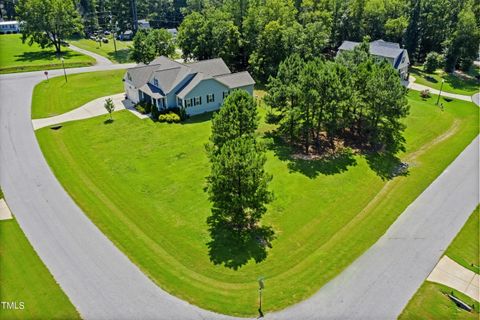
[[103, 284], [100, 281], [476, 99]]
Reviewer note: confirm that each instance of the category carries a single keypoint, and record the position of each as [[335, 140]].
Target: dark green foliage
[[154, 113], [109, 106], [237, 117], [433, 61], [142, 50], [237, 185], [162, 42], [48, 22], [354, 99]]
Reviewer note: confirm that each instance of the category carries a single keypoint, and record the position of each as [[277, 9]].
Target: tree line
[[353, 99]]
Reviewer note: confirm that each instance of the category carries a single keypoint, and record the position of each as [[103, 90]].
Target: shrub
[[140, 109], [181, 112], [433, 61], [154, 112], [425, 94], [169, 118], [148, 107]]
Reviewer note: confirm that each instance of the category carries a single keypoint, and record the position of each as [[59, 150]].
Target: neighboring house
[[390, 51], [126, 36], [198, 87], [143, 24], [9, 27]]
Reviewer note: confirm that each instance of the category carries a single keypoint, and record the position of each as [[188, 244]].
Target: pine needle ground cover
[[142, 183]]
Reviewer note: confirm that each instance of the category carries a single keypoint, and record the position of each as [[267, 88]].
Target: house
[[9, 27], [198, 87], [390, 51], [126, 36]]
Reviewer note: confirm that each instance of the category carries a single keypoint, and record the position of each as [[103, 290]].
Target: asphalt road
[[103, 284]]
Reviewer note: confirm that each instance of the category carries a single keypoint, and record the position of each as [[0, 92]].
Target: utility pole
[[134, 15]]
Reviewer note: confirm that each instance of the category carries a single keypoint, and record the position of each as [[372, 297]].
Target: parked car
[[104, 40], [106, 32]]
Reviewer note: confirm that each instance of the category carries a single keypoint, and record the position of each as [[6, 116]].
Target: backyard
[[16, 56], [144, 189], [24, 278], [465, 84], [106, 50]]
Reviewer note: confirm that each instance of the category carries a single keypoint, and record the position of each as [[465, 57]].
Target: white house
[[198, 87], [143, 24], [390, 51], [9, 26]]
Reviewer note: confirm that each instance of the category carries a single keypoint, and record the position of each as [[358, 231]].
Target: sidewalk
[[89, 110], [419, 87], [100, 59], [455, 276]]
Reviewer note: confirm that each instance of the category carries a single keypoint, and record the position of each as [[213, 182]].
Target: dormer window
[[155, 82]]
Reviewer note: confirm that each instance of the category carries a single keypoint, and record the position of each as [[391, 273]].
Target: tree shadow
[[43, 55], [121, 56], [108, 121], [386, 165], [233, 248], [203, 117], [328, 164]]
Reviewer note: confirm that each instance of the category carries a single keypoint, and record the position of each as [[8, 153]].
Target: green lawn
[[107, 49], [465, 248], [142, 184], [431, 303], [18, 57], [453, 83], [24, 278], [56, 96]]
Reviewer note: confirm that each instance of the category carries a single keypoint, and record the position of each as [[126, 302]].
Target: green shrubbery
[[169, 117], [433, 61], [144, 107]]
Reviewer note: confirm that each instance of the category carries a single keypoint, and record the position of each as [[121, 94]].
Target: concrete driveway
[[103, 284]]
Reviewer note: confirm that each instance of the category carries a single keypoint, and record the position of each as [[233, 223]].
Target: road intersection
[[103, 284]]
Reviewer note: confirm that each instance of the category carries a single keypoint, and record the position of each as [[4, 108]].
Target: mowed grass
[[454, 83], [465, 248], [432, 303], [107, 50], [56, 96], [24, 278], [142, 183], [16, 56]]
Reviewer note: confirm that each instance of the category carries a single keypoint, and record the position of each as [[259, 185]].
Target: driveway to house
[[103, 284], [91, 109], [476, 99]]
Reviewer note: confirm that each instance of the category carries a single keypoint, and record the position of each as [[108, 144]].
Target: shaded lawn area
[[24, 277], [107, 50], [18, 57], [453, 83], [431, 303], [465, 248], [56, 96], [142, 183]]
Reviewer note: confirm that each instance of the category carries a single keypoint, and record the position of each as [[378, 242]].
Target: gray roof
[[213, 67], [378, 48], [236, 80], [170, 74]]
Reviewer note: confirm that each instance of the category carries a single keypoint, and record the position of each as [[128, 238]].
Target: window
[[188, 103], [225, 94], [197, 101], [129, 76], [155, 82], [180, 102], [210, 98]]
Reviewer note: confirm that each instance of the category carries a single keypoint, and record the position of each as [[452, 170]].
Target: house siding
[[203, 88], [131, 91]]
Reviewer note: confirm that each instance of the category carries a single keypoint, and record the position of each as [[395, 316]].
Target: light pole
[[440, 93], [64, 72], [261, 286]]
